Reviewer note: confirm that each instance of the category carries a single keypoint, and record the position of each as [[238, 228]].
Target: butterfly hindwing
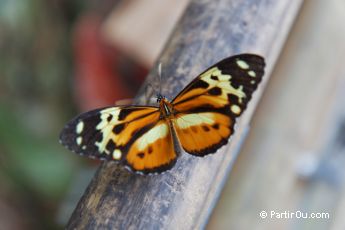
[[124, 134], [153, 150], [207, 108], [204, 132]]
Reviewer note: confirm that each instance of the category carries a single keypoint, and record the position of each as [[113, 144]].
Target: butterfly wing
[[133, 135], [207, 108]]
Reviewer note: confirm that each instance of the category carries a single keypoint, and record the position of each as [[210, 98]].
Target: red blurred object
[[103, 74]]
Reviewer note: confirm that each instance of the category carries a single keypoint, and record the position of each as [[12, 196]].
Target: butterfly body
[[200, 118], [166, 108]]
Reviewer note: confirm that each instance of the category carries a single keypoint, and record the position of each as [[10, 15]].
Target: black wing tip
[[258, 59], [68, 136], [65, 136], [68, 132]]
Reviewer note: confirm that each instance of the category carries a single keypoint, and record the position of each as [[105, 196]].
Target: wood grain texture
[[184, 197]]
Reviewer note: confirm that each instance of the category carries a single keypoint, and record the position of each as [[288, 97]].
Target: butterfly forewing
[[207, 108], [229, 82]]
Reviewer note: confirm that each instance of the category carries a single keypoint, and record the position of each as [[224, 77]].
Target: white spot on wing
[[80, 127], [79, 140], [235, 109], [242, 64], [251, 73], [117, 154]]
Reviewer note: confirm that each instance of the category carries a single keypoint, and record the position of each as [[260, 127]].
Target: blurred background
[[59, 58]]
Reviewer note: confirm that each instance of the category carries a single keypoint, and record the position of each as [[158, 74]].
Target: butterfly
[[200, 119]]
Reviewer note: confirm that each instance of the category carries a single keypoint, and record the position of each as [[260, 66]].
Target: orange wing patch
[[203, 133], [153, 151]]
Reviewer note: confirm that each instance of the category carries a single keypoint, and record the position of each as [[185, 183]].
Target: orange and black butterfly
[[201, 116]]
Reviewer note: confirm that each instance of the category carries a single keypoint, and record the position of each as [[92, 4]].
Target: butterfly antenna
[[160, 77], [149, 85], [147, 93]]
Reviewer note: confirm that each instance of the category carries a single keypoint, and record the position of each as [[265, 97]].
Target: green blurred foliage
[[35, 68]]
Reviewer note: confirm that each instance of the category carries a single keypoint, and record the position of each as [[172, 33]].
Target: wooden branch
[[184, 197]]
